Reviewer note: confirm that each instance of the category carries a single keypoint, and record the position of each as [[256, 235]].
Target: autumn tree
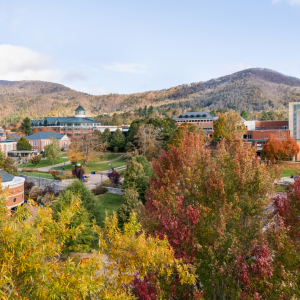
[[52, 151], [149, 140], [86, 147], [10, 167], [211, 209], [26, 126], [106, 136], [228, 126], [178, 136], [36, 160], [23, 144], [30, 268], [278, 149]]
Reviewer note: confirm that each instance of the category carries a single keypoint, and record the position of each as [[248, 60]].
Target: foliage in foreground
[[213, 212], [30, 247]]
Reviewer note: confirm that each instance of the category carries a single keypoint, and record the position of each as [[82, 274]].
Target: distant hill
[[252, 90]]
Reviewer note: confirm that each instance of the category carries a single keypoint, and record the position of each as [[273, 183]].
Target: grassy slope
[[108, 203], [37, 174], [96, 166], [43, 163]]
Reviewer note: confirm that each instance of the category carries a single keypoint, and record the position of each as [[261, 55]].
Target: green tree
[[10, 167], [87, 198], [81, 218], [36, 160], [265, 116], [106, 136], [131, 202], [26, 126], [117, 140], [23, 144], [228, 126], [138, 173], [150, 110], [145, 111], [140, 112], [52, 150], [116, 120], [245, 115], [2, 158]]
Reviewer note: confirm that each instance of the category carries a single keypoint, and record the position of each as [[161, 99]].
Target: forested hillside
[[253, 90]]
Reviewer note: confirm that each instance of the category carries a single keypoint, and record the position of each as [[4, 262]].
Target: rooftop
[[43, 135], [196, 115], [6, 177], [79, 108]]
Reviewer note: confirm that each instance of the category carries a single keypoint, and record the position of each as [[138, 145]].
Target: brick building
[[202, 119], [40, 139], [14, 188]]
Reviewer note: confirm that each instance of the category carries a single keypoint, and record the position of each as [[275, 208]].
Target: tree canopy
[[228, 126], [23, 144], [52, 151], [26, 126]]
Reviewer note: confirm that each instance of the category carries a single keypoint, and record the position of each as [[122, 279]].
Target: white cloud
[[290, 2], [74, 75], [229, 69], [126, 68], [20, 63]]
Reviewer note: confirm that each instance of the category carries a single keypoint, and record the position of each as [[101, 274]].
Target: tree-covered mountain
[[253, 90]]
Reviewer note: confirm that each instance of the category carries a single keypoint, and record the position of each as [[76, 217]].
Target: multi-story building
[[70, 126], [203, 119], [7, 146], [40, 139], [14, 186]]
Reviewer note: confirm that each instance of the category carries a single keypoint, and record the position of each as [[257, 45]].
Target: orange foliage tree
[[276, 149]]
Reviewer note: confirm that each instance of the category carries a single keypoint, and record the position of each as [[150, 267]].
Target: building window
[[256, 128], [15, 199]]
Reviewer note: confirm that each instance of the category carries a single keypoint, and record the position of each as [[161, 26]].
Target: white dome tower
[[79, 112]]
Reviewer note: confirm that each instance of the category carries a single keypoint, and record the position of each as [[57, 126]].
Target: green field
[[37, 174], [289, 172], [108, 203], [96, 166], [43, 163]]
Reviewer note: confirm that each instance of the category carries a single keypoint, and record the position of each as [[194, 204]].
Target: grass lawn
[[280, 188], [96, 166], [43, 163], [289, 172], [108, 203], [37, 174], [109, 156]]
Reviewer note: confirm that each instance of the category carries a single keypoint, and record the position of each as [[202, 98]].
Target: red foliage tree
[[276, 149], [114, 177]]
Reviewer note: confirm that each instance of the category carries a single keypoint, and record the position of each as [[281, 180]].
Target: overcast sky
[[127, 46]]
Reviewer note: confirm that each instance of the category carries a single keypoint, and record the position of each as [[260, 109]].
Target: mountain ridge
[[254, 89]]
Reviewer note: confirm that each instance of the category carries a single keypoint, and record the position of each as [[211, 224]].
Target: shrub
[[54, 173], [78, 172], [49, 190], [27, 187], [115, 149], [99, 190], [36, 160], [29, 170], [114, 177]]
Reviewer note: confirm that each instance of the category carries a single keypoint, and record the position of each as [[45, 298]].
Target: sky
[[129, 46]]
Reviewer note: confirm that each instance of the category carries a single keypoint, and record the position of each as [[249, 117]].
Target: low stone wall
[[38, 181], [112, 190]]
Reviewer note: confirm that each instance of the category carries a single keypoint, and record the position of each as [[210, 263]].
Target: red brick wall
[[265, 134], [269, 125], [18, 193]]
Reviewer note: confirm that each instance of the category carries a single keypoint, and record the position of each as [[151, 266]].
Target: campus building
[[13, 187], [203, 119], [70, 126], [40, 139], [8, 145]]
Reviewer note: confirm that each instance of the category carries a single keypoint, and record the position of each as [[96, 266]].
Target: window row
[[195, 121]]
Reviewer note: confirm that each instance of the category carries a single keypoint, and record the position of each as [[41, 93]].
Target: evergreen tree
[[130, 202], [117, 140], [245, 115], [26, 126], [141, 113], [23, 144], [145, 111], [265, 116], [106, 136], [150, 110], [10, 167], [2, 158]]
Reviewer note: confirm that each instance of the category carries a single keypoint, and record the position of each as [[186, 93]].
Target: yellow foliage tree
[[30, 248], [228, 126]]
